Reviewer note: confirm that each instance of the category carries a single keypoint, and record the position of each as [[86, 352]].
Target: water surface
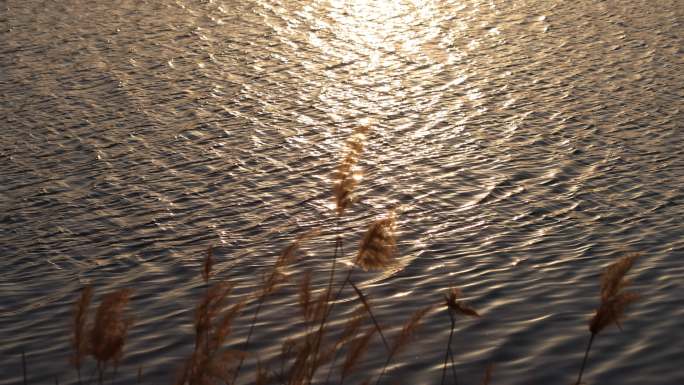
[[525, 144]]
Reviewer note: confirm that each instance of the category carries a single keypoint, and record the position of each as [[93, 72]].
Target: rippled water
[[526, 144]]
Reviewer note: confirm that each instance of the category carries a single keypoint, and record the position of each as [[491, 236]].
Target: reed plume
[[286, 257], [209, 363], [614, 301], [109, 330], [456, 306], [401, 341], [79, 341], [451, 300], [346, 179], [212, 303], [378, 247], [305, 302]]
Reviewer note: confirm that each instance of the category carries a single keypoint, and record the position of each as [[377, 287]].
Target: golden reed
[[614, 301]]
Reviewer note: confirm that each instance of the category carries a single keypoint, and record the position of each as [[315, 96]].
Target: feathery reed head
[[79, 338], [305, 302], [223, 329], [454, 305], [346, 179], [290, 253], [108, 334], [408, 330], [379, 245], [614, 300], [212, 303], [612, 280], [611, 311]]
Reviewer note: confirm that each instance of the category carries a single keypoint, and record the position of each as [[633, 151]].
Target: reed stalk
[[454, 305], [614, 301], [448, 351], [584, 361], [403, 338], [370, 312], [276, 277]]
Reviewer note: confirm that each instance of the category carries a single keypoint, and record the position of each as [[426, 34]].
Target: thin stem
[[338, 245], [448, 349], [249, 336], [330, 369], [319, 334], [370, 312], [384, 367], [584, 361], [453, 365]]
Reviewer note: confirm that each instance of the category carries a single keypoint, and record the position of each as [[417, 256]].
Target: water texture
[[525, 145]]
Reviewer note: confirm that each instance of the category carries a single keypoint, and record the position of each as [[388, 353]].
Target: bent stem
[[368, 309], [448, 351], [584, 361], [249, 336], [319, 334]]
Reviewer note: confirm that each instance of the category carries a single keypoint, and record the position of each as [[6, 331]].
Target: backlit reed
[[346, 177], [209, 362], [105, 337], [379, 245], [454, 306], [404, 337], [614, 301], [272, 280]]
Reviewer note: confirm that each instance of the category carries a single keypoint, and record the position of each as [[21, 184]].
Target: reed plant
[[320, 344], [105, 337], [454, 306], [614, 301]]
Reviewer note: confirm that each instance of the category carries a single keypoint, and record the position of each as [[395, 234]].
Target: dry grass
[[347, 178], [211, 362], [105, 337], [614, 301], [319, 342], [454, 306], [379, 245]]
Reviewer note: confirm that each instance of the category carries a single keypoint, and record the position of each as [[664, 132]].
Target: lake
[[523, 146]]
